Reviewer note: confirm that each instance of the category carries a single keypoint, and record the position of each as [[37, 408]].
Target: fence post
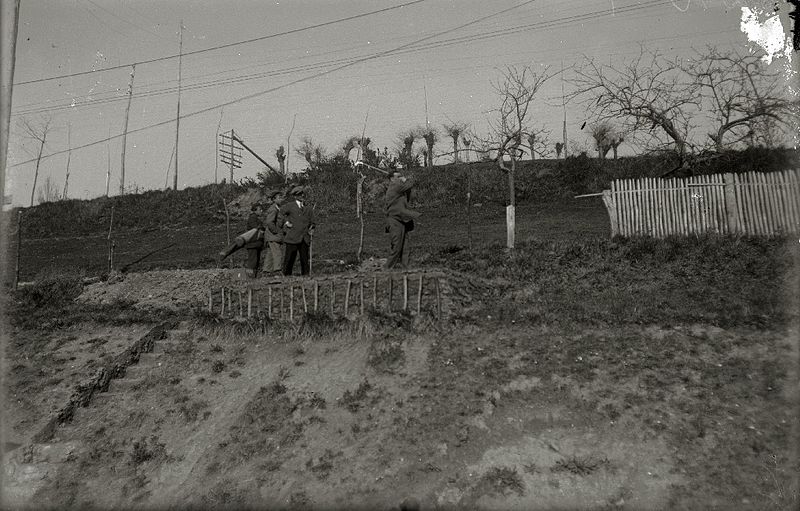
[[730, 203], [608, 201]]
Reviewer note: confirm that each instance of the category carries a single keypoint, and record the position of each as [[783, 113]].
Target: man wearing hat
[[252, 240], [273, 236], [297, 219], [399, 219]]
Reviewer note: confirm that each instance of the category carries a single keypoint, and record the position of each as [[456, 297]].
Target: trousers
[[398, 235], [290, 253]]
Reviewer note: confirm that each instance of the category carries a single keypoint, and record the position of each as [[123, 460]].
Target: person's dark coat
[[396, 201], [301, 221], [274, 231]]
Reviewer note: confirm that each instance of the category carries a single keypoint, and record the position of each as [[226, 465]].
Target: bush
[[52, 288]]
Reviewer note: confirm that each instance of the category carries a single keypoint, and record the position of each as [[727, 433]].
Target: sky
[[322, 66]]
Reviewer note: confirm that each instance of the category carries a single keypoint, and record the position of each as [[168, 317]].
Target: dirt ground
[[399, 412]]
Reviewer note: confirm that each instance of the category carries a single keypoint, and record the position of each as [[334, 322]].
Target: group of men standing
[[289, 225], [285, 234]]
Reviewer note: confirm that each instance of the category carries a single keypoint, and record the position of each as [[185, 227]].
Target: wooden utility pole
[[564, 107], [69, 157], [216, 138], [178, 116], [108, 164], [289, 149], [9, 22], [125, 133]]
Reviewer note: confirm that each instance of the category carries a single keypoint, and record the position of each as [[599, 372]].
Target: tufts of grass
[[143, 452], [502, 480], [356, 400], [580, 465]]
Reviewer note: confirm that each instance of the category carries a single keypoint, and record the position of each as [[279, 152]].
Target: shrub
[[52, 287]]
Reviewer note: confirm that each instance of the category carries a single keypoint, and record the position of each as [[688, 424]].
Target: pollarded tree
[[430, 135], [280, 154], [648, 95], [603, 134], [313, 153], [454, 130], [538, 142], [405, 147], [740, 94]]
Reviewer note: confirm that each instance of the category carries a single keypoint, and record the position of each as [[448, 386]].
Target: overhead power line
[[293, 82], [215, 48], [558, 22]]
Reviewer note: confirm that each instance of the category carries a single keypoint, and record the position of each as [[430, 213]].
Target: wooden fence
[[288, 298], [753, 203]]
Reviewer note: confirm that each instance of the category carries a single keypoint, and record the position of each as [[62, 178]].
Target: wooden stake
[[316, 296], [230, 300], [281, 288], [19, 247], [347, 297], [374, 292], [269, 302], [391, 292], [419, 295], [305, 304], [250, 302], [210, 300], [222, 308], [405, 292], [291, 302], [240, 305], [361, 296], [438, 299]]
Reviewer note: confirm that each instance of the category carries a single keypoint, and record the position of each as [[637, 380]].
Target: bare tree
[[280, 154], [454, 130], [467, 141], [642, 94], [559, 148], [602, 133], [517, 89], [313, 153], [48, 192], [740, 95], [406, 139], [431, 136], [538, 142], [36, 131]]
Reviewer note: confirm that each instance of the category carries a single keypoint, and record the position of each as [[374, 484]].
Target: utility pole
[[9, 23], [108, 167], [216, 137], [125, 133], [69, 157], [178, 117], [564, 107]]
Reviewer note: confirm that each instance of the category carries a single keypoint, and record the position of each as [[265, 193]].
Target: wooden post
[[125, 133], [419, 295], [222, 307], [374, 292], [305, 303], [510, 226], [333, 297], [249, 302], [281, 304], [347, 297], [19, 248], [608, 202], [361, 296], [438, 299], [391, 291], [269, 302], [240, 305], [405, 292], [291, 302], [316, 296], [210, 300]]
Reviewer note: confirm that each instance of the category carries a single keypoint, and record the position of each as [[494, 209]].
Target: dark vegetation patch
[[714, 280], [500, 481], [580, 465], [358, 398]]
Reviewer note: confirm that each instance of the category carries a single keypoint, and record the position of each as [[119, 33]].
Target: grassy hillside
[[334, 191]]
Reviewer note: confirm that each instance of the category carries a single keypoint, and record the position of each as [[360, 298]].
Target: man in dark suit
[[399, 219], [297, 219]]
